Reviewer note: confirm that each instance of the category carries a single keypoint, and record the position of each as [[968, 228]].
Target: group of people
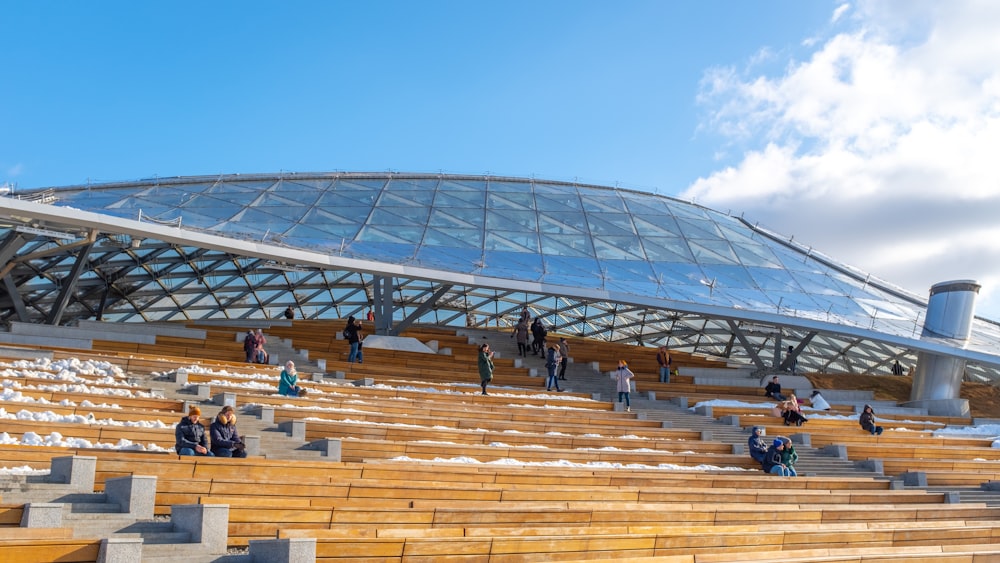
[[789, 407], [539, 334], [777, 458], [191, 439], [253, 345], [556, 355]]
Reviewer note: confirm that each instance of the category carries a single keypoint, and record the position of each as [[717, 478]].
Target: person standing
[[623, 383], [355, 336], [250, 345], [189, 435], [525, 316], [663, 358], [260, 354], [289, 313], [564, 352], [537, 337], [551, 363], [521, 335], [370, 315], [485, 366], [791, 359]]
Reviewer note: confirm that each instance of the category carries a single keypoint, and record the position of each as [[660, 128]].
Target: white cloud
[[879, 150], [839, 12]]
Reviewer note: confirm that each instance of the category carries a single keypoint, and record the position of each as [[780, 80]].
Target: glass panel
[[514, 241], [517, 265], [458, 239], [524, 200], [396, 234], [559, 223], [507, 220], [404, 216], [450, 258], [467, 199], [566, 245], [611, 248], [456, 217], [712, 251], [562, 202], [667, 249], [566, 270]]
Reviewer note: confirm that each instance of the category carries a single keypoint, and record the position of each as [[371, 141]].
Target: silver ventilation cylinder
[[950, 309], [937, 379]]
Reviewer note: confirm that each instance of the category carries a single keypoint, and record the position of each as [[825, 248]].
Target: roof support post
[[11, 244], [15, 298], [787, 363], [754, 356], [423, 308], [68, 285], [382, 304]]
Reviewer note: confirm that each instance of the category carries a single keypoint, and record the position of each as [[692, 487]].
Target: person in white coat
[[817, 401], [623, 378]]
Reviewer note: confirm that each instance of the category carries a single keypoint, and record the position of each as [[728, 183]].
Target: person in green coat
[[788, 456], [485, 366]]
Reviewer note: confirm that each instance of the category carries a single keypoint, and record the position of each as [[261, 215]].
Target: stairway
[[123, 512]]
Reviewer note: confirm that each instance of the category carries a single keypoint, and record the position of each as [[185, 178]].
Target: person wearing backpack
[[250, 346], [355, 336]]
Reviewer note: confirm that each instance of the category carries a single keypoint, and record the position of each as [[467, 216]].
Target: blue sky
[[599, 91], [862, 128]]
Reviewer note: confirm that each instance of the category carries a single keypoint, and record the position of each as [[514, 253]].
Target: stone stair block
[[286, 550]]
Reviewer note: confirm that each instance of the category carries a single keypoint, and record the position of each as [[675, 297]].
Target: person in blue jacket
[[757, 445]]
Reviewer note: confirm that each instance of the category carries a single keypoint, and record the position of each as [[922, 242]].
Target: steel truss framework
[[448, 250]]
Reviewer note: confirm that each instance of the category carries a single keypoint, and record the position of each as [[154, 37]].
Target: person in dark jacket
[[485, 363], [250, 345], [355, 336], [773, 390], [189, 435], [538, 333], [756, 444], [867, 420], [226, 441], [772, 459]]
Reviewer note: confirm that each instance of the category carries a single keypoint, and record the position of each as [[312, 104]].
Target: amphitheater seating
[[367, 508]]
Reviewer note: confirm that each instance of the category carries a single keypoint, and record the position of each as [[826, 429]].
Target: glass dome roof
[[621, 252]]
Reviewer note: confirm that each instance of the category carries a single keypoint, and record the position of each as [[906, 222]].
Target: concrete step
[[187, 552], [89, 509]]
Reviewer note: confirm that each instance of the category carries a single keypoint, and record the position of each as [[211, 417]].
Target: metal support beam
[[68, 285], [11, 244], [382, 304], [15, 299], [787, 363], [423, 308], [754, 356]]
